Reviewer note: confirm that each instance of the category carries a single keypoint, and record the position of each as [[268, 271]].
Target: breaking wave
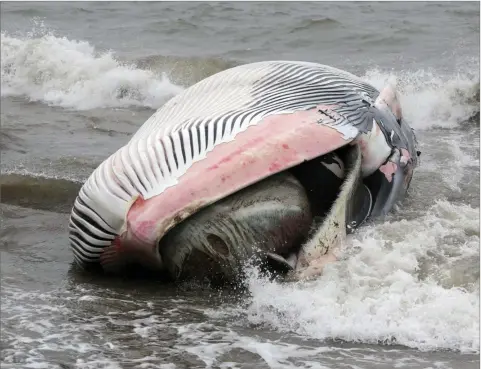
[[407, 282], [38, 191], [72, 74], [184, 70], [431, 100]]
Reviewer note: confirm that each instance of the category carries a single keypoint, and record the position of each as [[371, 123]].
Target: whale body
[[275, 159]]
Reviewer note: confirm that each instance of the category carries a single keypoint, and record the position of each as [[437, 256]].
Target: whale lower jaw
[[269, 217]]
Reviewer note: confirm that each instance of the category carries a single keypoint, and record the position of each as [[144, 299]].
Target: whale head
[[250, 161]]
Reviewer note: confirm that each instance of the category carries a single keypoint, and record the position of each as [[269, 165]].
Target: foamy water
[[432, 100], [412, 283], [405, 290], [72, 74]]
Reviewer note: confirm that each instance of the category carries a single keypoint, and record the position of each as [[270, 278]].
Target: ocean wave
[[38, 191], [431, 100], [72, 74], [408, 282], [11, 141], [184, 70], [315, 24]]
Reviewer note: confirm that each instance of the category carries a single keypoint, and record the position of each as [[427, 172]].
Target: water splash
[[72, 74], [430, 100]]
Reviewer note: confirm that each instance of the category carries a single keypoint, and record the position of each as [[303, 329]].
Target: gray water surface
[[78, 79]]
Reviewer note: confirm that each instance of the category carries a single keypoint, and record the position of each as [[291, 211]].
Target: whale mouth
[[265, 223]]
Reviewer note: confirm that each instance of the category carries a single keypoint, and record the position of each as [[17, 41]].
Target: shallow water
[[78, 79]]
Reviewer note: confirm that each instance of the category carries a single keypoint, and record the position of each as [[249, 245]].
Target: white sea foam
[[413, 283], [72, 74], [430, 99]]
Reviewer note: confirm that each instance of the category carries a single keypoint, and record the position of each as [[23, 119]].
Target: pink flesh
[[277, 143], [388, 169]]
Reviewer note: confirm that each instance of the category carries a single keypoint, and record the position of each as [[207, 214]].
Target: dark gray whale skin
[[402, 140]]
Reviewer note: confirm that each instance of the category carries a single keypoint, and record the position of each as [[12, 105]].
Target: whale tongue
[[350, 210], [259, 223]]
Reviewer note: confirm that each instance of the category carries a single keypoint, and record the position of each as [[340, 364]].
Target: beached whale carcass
[[275, 159]]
